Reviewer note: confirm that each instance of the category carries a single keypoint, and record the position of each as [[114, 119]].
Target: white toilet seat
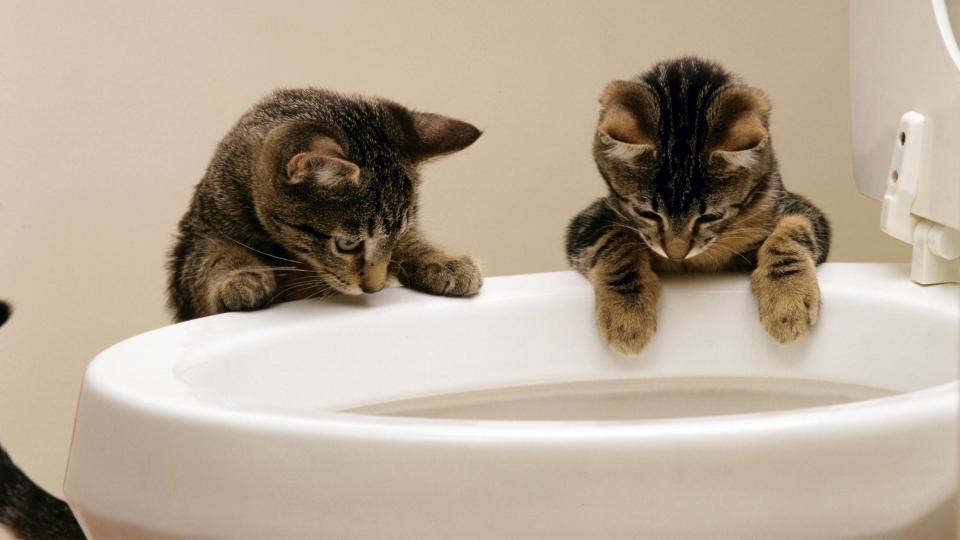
[[198, 421]]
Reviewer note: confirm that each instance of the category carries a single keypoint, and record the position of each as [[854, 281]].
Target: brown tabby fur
[[313, 193], [694, 186]]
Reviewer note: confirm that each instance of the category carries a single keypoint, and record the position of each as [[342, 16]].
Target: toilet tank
[[903, 58]]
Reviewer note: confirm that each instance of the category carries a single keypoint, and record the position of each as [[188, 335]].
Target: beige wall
[[109, 112]]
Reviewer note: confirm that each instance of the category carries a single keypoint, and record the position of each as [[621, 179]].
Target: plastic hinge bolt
[[903, 177], [936, 248]]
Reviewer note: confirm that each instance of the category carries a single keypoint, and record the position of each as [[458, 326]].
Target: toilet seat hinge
[[936, 248]]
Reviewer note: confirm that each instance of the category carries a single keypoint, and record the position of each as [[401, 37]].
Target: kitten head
[[684, 149], [337, 191]]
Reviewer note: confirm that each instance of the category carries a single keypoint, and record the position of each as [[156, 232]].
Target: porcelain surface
[[240, 425]]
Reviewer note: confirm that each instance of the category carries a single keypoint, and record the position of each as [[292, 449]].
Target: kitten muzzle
[[373, 276], [372, 288], [677, 248]]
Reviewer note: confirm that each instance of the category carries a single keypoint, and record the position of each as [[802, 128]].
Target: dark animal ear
[[435, 135], [322, 168], [628, 120], [738, 121]]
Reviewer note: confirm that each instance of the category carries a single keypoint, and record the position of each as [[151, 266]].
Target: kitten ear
[[435, 135], [628, 119], [322, 168], [737, 122]]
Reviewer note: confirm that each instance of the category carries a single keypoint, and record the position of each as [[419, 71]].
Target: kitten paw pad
[[789, 305], [625, 328], [453, 277], [244, 290]]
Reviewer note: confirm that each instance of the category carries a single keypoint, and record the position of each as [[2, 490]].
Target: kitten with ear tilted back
[[694, 185], [314, 193]]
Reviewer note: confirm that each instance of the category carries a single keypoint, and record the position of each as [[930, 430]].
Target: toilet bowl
[[401, 415]]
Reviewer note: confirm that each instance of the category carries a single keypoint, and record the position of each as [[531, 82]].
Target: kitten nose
[[676, 248], [373, 276], [367, 288]]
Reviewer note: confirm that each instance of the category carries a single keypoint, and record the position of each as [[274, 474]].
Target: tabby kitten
[[694, 185], [312, 193], [29, 511]]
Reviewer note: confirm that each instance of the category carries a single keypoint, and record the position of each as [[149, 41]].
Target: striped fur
[[694, 185], [314, 193]]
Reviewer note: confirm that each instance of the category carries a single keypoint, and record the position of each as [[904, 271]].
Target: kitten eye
[[653, 216], [348, 245], [708, 218]]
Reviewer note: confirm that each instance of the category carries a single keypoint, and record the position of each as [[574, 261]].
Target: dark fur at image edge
[[31, 512]]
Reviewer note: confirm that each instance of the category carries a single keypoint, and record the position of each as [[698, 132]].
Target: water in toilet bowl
[[631, 399]]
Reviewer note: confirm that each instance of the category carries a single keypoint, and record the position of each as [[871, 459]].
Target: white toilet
[[504, 416]]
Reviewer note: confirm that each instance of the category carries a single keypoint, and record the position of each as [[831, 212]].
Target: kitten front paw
[[456, 276], [625, 324], [243, 290], [788, 298]]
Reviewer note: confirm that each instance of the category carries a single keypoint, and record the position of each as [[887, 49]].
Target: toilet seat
[[199, 419]]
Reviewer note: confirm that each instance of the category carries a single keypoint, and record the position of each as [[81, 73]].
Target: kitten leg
[[617, 263], [626, 291], [222, 276], [420, 265], [785, 280]]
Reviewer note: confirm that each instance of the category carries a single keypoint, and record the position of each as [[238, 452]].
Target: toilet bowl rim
[[940, 401]]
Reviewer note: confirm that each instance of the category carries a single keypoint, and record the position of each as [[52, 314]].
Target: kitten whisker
[[627, 227], [299, 285], [616, 211], [734, 252], [239, 243], [323, 293], [275, 268], [406, 276]]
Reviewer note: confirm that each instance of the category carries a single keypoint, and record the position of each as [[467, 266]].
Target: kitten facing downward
[[312, 193], [694, 185]]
